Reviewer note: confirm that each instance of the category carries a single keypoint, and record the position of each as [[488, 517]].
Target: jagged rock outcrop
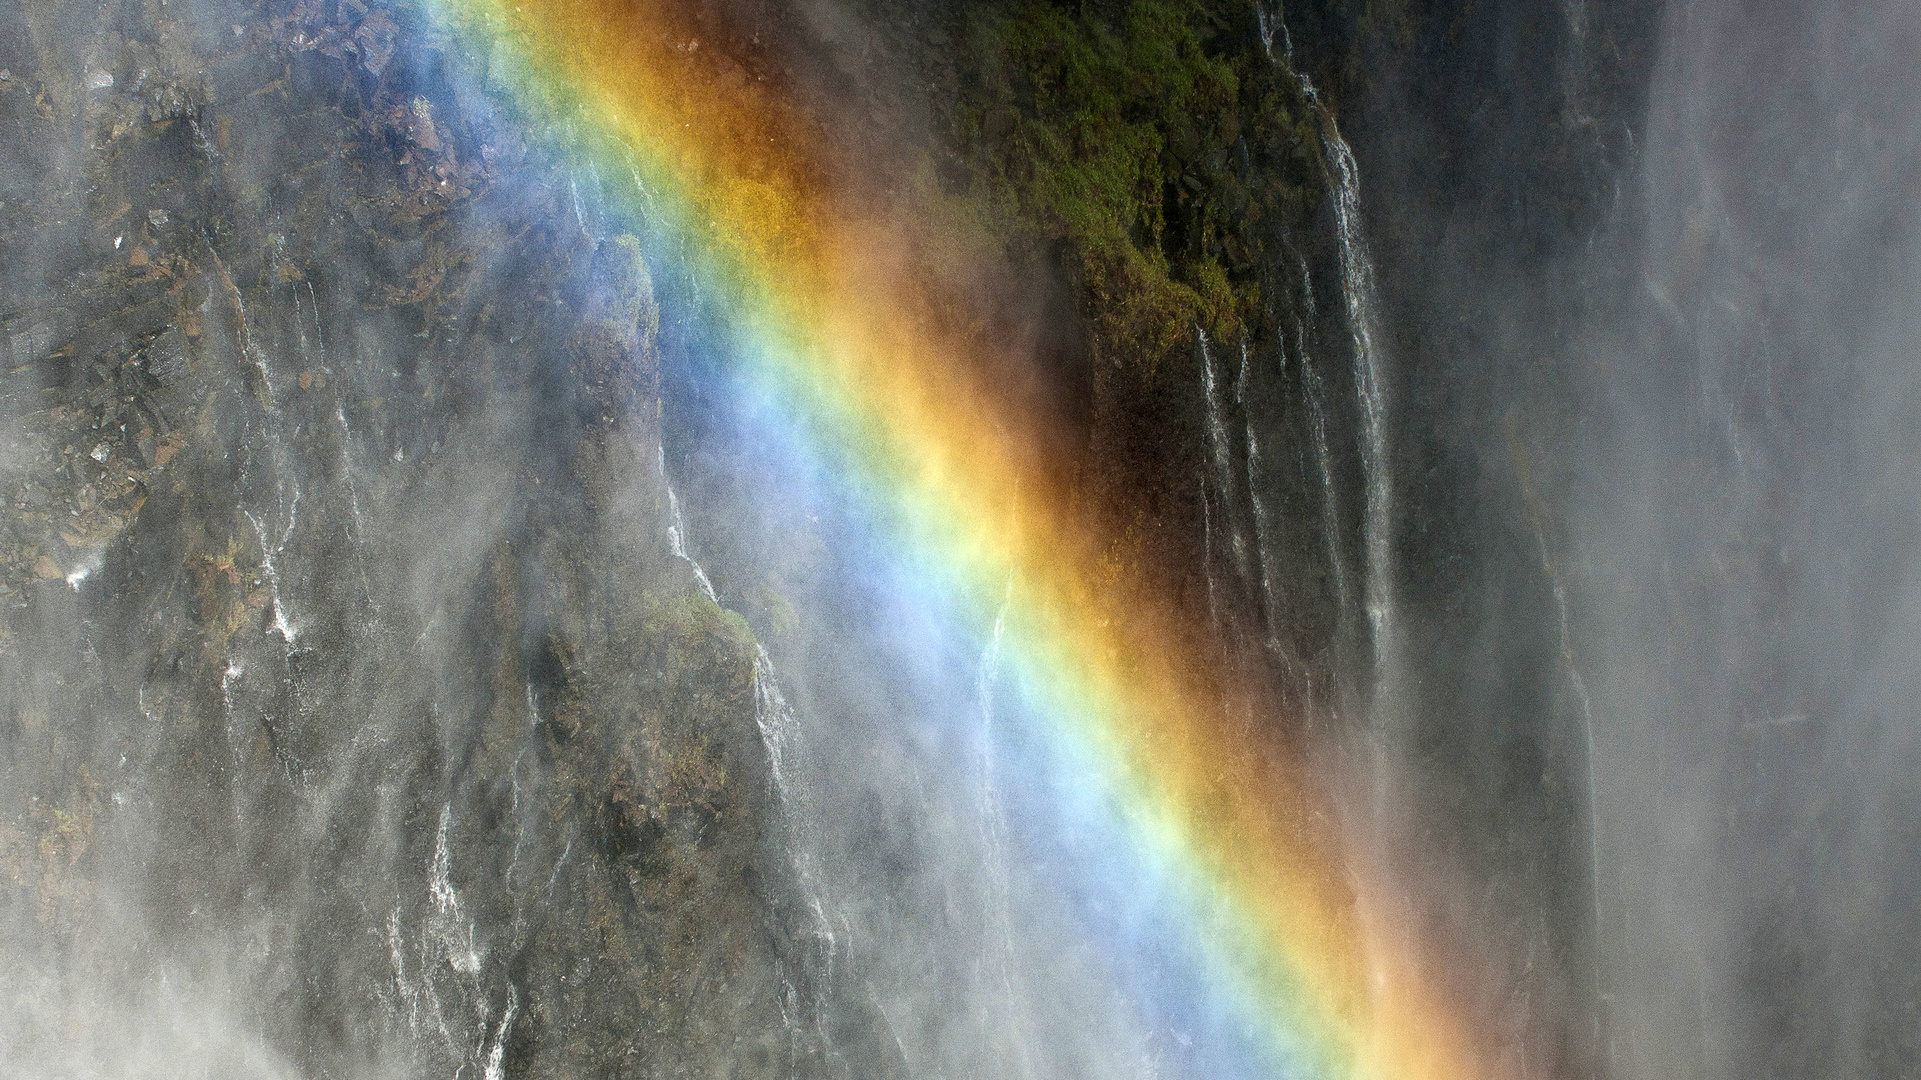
[[359, 714]]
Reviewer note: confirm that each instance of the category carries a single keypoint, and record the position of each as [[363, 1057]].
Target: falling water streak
[[774, 719], [232, 672], [433, 1003], [268, 550], [1220, 456], [1207, 555], [553, 876], [397, 959], [1383, 709], [320, 338], [900, 1046], [993, 824], [498, 1051], [448, 937], [1268, 22], [413, 990], [779, 728], [1579, 686], [520, 828], [677, 529], [600, 186], [649, 205], [580, 214], [293, 516], [1324, 464], [1358, 291], [1270, 612], [299, 322], [780, 733], [247, 347], [1357, 287], [993, 827], [452, 931], [1315, 391], [357, 532]]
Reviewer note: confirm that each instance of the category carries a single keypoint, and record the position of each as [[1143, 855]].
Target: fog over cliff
[[422, 655]]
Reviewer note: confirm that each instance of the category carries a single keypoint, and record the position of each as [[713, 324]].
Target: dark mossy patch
[[1158, 139]]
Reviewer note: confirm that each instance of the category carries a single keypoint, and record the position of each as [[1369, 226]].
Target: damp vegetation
[[1156, 146]]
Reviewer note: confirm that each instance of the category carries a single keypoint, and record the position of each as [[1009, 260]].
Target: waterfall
[[1586, 705], [447, 947], [1357, 288], [993, 822], [269, 548], [1207, 554], [1269, 614], [356, 530], [774, 718], [1358, 294], [677, 529], [1584, 702], [273, 542], [998, 952], [1220, 456], [780, 732], [497, 1053], [1315, 391]]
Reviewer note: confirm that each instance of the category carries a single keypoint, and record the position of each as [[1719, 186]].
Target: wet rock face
[[357, 715]]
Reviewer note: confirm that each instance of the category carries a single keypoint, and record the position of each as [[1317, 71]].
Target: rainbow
[[839, 321]]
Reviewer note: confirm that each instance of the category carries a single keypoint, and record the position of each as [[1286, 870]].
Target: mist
[[426, 651], [1743, 537]]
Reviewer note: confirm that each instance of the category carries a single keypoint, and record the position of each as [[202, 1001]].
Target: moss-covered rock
[[1157, 138]]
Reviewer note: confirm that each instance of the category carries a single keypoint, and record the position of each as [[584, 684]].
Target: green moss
[[1155, 138], [782, 619], [689, 616]]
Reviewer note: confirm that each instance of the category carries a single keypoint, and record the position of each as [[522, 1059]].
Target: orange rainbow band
[[1210, 827]]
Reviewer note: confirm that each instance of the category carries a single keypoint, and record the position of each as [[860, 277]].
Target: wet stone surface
[[355, 704]]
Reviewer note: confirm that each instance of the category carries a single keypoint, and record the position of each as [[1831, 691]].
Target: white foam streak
[[1358, 293], [452, 931], [1261, 549], [780, 732], [677, 529], [268, 550], [496, 1053], [1220, 457]]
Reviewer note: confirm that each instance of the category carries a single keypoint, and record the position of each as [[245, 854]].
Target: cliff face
[[1165, 167], [358, 712], [1173, 170], [361, 702]]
